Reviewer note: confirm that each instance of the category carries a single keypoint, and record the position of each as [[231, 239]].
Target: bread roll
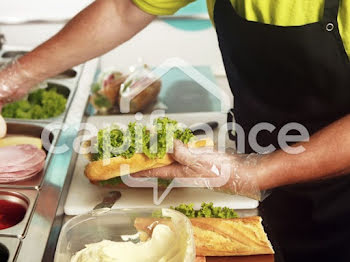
[[222, 237], [100, 171]]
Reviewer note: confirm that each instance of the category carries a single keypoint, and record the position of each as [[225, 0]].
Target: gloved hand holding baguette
[[225, 172]]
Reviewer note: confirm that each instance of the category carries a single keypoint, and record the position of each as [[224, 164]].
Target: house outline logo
[[177, 63], [211, 87]]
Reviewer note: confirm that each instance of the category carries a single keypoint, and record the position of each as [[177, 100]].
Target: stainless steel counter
[[48, 215], [34, 238]]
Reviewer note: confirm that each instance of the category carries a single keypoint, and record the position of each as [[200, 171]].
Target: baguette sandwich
[[108, 173], [214, 236], [105, 92], [139, 89]]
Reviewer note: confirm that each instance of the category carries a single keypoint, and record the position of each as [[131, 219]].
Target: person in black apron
[[277, 75], [292, 74]]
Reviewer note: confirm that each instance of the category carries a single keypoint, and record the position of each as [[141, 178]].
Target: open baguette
[[221, 237], [100, 171]]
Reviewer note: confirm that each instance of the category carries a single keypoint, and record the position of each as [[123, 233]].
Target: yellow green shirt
[[275, 12]]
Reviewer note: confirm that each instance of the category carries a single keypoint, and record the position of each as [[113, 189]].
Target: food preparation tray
[[33, 131], [9, 248], [65, 82], [16, 195]]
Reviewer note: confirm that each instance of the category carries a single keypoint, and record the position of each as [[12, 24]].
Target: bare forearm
[[99, 28], [326, 155]]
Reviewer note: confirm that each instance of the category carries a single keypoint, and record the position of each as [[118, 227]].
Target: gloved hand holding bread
[[219, 171], [190, 158]]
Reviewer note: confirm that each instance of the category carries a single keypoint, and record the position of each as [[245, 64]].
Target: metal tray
[[28, 196], [64, 90], [68, 79], [34, 131], [11, 246]]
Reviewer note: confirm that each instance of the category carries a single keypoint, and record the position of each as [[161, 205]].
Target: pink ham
[[20, 176], [37, 158], [23, 173], [16, 179], [16, 155], [20, 162]]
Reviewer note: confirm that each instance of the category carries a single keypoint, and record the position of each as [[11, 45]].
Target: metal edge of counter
[[43, 231]]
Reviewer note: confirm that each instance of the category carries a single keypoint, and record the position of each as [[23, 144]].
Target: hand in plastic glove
[[224, 172], [15, 82]]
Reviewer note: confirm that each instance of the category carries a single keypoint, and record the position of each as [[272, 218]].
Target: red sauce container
[[13, 208]]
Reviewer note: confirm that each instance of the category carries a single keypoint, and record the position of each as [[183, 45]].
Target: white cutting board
[[83, 196]]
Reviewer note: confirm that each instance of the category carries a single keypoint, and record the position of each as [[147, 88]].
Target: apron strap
[[331, 9]]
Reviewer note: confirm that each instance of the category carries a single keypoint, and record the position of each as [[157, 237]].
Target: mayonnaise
[[3, 127], [162, 247]]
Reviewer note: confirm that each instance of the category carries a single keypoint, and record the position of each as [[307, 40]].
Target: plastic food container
[[118, 225]]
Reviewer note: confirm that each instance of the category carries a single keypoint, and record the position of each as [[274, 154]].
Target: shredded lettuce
[[154, 142], [206, 210], [41, 104]]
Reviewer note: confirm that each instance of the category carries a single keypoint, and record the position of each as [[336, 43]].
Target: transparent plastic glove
[[219, 171], [15, 82]]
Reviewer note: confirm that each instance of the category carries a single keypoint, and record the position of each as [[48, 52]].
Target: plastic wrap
[[115, 92], [139, 90], [15, 82]]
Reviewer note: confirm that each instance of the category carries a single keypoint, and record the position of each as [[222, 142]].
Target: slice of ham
[[24, 172], [37, 158], [17, 176], [20, 162], [17, 179], [16, 155]]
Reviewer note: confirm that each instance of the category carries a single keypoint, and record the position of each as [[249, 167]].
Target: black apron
[[292, 74]]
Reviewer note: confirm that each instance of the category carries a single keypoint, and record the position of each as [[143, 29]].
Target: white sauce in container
[[160, 248]]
